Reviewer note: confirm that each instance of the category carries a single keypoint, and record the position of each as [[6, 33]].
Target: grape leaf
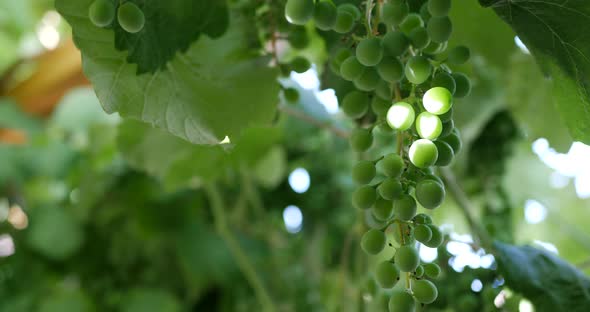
[[217, 88], [558, 34], [549, 282]]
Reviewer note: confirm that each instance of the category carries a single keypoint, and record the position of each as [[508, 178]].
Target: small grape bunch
[[129, 16], [398, 64]]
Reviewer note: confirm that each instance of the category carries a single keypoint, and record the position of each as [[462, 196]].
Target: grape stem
[[368, 10], [318, 123]]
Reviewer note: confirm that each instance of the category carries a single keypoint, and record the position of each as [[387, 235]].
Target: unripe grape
[[400, 116], [446, 116], [444, 80], [418, 69], [371, 286], [300, 64], [339, 57], [419, 38], [369, 51], [405, 208], [463, 85], [422, 233], [423, 153], [411, 22], [373, 241], [364, 197], [422, 218], [382, 209], [439, 29], [406, 258], [395, 43], [351, 68], [445, 153], [324, 15], [344, 22], [392, 165], [435, 47], [386, 274], [424, 291], [299, 11], [368, 80], [437, 100], [363, 172], [401, 301], [424, 12], [384, 92], [459, 55], [352, 9], [428, 126], [454, 140], [391, 69], [298, 38], [380, 106], [436, 239], [393, 13], [291, 95], [361, 140], [432, 270], [372, 222], [430, 194], [390, 188], [419, 271], [130, 17], [439, 8], [355, 104], [448, 127], [102, 12]]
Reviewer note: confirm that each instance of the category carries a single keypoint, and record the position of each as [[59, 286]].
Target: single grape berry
[[300, 64], [430, 194], [382, 209], [392, 165], [291, 95], [390, 69], [130, 17], [324, 15], [344, 22], [445, 153], [422, 218], [298, 12], [400, 116], [373, 241], [418, 69], [422, 233], [439, 29], [355, 104], [446, 116], [424, 12], [390, 188], [369, 51], [459, 55], [437, 100], [424, 291], [380, 106], [448, 127], [384, 92], [363, 172], [406, 258], [423, 153], [351, 68], [432, 270], [401, 301], [454, 140], [419, 38], [102, 12], [428, 126], [463, 85], [405, 207], [435, 47], [368, 80], [339, 57], [352, 9], [444, 80], [419, 271], [370, 286], [439, 8], [395, 43], [386, 274], [361, 140], [298, 38], [364, 197], [411, 22], [393, 13], [436, 239]]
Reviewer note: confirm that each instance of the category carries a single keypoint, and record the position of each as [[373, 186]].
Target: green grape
[[386, 274], [419, 38], [380, 106], [437, 100], [401, 301], [300, 64], [400, 116], [392, 165], [444, 80], [368, 80], [351, 68], [406, 258], [384, 129], [446, 116], [369, 51], [447, 127], [463, 85], [130, 17], [459, 55], [405, 208], [439, 29], [419, 271], [406, 231], [355, 104], [372, 222], [424, 12], [422, 218], [454, 140], [439, 8], [411, 22], [430, 176], [382, 209], [423, 153], [324, 15], [390, 188], [363, 172], [291, 95], [344, 22], [393, 14], [364, 197], [361, 140], [352, 9], [390, 69], [339, 57], [102, 12], [432, 270], [434, 47], [298, 38], [430, 194], [424, 291], [445, 153], [418, 69], [422, 233], [436, 239], [428, 126], [371, 286], [395, 43], [373, 241], [299, 11], [384, 92]]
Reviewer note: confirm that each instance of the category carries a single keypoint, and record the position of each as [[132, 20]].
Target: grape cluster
[[398, 63], [129, 15]]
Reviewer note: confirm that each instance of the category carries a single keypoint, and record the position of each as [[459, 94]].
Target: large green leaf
[[550, 283], [217, 88], [556, 33]]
